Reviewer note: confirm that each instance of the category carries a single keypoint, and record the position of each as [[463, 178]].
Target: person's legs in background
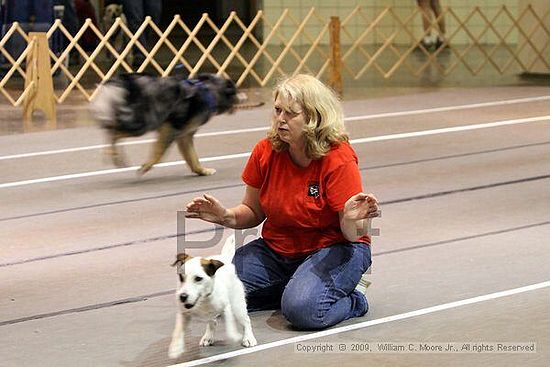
[[425, 10], [135, 15], [154, 10], [436, 8], [71, 24], [431, 13]]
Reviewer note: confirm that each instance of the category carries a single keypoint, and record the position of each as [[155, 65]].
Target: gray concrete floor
[[84, 267]]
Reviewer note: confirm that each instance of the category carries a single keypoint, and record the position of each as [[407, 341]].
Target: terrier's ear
[[210, 266], [181, 258]]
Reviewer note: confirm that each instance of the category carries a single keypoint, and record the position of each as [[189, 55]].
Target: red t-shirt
[[301, 204]]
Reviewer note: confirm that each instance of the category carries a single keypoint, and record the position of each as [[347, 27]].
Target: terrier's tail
[[228, 249]]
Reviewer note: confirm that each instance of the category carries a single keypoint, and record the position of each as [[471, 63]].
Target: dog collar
[[205, 93]]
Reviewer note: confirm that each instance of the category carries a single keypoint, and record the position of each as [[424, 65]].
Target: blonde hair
[[324, 125]]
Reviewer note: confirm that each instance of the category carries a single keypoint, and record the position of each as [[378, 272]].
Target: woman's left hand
[[361, 206]]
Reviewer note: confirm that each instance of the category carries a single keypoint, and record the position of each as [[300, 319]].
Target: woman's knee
[[302, 310], [317, 296]]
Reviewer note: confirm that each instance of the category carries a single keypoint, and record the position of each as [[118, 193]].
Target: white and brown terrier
[[210, 288]]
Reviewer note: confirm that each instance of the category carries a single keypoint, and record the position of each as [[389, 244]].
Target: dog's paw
[[249, 341], [205, 171], [207, 340], [144, 169], [119, 161], [116, 157], [176, 349]]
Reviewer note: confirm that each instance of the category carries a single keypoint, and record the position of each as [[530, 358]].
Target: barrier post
[[38, 73], [335, 80]]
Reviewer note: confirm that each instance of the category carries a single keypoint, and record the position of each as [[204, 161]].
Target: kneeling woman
[[303, 180]]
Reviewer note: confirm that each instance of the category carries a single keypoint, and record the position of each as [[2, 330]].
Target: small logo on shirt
[[313, 190]]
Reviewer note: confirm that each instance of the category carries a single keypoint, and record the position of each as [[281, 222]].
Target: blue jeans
[[313, 292]]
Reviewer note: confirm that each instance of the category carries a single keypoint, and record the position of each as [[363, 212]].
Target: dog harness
[[204, 92]]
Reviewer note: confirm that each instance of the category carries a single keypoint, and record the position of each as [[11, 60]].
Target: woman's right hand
[[207, 208]]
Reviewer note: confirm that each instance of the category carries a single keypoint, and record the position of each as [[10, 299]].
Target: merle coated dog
[[133, 104]]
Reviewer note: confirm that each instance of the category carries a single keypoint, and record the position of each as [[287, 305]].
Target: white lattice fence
[[254, 54], [15, 70], [387, 49]]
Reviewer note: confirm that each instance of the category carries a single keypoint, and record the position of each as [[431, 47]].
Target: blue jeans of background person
[[313, 292], [135, 12]]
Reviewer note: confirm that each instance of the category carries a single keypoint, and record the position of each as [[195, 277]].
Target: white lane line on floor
[[135, 142], [412, 134], [365, 324], [454, 129], [240, 131], [450, 108], [114, 170]]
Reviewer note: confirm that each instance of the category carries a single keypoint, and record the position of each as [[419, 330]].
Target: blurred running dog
[[133, 104], [209, 287]]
